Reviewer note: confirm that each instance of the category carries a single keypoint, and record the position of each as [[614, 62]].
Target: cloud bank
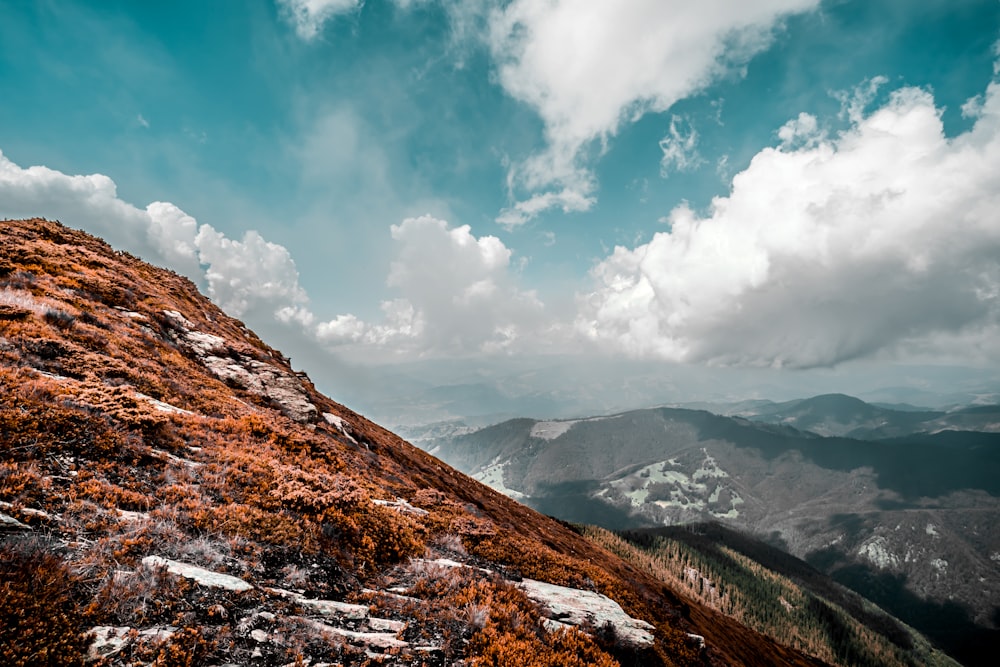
[[457, 294], [881, 239], [589, 66], [239, 275]]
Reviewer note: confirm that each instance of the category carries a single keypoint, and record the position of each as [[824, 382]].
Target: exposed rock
[[234, 367], [173, 458], [111, 640], [161, 406], [578, 607], [571, 606], [126, 515], [400, 505], [9, 523], [325, 607], [27, 512], [383, 640], [386, 625], [341, 425], [108, 640], [199, 575]]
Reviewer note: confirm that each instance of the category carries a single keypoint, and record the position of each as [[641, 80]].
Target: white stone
[[199, 575], [341, 425], [10, 522], [386, 625], [578, 607], [325, 607], [400, 505], [108, 640], [161, 406], [383, 640]]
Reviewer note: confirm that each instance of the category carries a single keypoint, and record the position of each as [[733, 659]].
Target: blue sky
[[792, 185]]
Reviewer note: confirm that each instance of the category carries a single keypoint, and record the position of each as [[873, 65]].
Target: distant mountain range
[[842, 415], [910, 520]]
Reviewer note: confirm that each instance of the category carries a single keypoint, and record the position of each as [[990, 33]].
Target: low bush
[[40, 621]]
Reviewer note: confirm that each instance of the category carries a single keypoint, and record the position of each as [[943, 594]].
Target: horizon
[[787, 199]]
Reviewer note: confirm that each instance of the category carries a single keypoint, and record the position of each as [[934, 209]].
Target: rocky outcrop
[[564, 606], [199, 575], [238, 368], [572, 606]]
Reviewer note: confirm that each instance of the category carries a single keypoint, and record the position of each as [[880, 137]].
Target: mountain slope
[[911, 521], [773, 592], [174, 493]]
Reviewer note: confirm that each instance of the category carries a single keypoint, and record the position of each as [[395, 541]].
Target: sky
[[723, 199]]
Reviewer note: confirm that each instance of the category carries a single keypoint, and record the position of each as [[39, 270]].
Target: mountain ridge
[[174, 492], [908, 516]]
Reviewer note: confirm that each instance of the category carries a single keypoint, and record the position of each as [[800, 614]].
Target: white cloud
[[801, 131], [456, 292], [249, 273], [882, 240], [239, 275], [853, 103], [308, 16], [589, 66], [679, 147], [569, 200], [457, 296]]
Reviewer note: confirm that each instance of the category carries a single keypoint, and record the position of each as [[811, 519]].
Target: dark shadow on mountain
[[572, 502], [711, 537], [889, 504], [948, 624]]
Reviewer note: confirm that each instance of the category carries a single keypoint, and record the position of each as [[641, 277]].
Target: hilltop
[[173, 492]]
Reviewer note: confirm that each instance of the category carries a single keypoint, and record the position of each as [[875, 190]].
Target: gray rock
[[199, 575]]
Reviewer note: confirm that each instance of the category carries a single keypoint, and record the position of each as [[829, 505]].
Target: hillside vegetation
[[773, 593], [172, 492]]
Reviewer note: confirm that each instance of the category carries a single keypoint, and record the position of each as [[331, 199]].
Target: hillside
[[909, 522], [172, 492], [772, 592]]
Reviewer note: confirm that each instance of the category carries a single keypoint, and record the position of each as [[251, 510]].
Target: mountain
[[172, 492], [841, 415], [910, 522]]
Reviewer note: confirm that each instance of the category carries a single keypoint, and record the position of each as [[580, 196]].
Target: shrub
[[40, 623]]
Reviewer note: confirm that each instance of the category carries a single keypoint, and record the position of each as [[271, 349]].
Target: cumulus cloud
[[238, 275], [456, 295], [243, 274], [588, 66], [308, 16], [883, 239]]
